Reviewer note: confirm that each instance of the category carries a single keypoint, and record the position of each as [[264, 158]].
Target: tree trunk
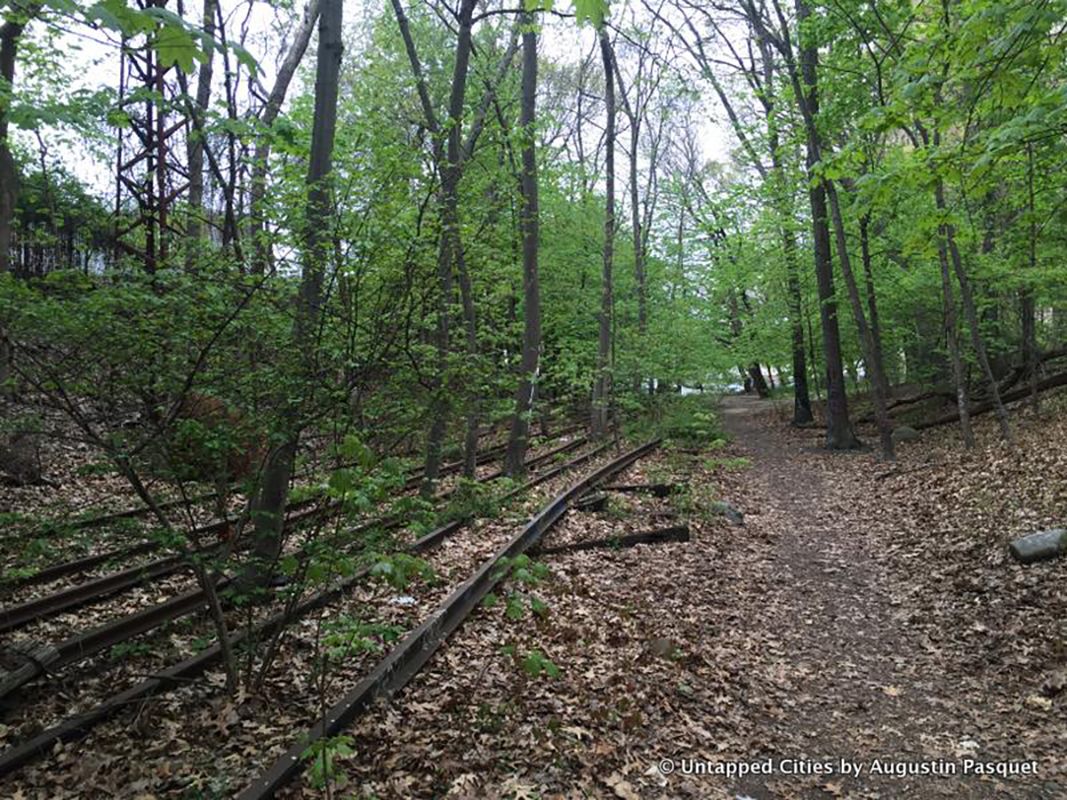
[[1027, 310], [261, 260], [531, 341], [872, 302], [10, 33], [871, 352], [269, 505], [952, 336], [602, 385], [195, 144], [759, 383], [970, 310], [839, 433]]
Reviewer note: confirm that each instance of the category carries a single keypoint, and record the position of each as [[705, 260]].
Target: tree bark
[[871, 351], [872, 301], [514, 460], [970, 311], [449, 155], [602, 383], [269, 505], [195, 144], [261, 154], [952, 335], [634, 115], [10, 33], [759, 383], [1027, 310], [839, 433]]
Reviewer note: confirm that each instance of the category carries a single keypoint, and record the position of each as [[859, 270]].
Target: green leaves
[[537, 663], [323, 754], [346, 637], [591, 12], [399, 569], [175, 41]]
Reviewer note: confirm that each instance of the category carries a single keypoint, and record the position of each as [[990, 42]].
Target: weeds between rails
[[117, 631], [105, 586], [81, 724], [405, 660]]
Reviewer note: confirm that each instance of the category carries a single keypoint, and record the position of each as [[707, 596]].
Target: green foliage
[[475, 500], [323, 755], [687, 421], [592, 12], [400, 568], [345, 637], [536, 664], [529, 574], [126, 650]]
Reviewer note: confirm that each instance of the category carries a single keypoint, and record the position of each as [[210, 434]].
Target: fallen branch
[[676, 533], [982, 408], [592, 502]]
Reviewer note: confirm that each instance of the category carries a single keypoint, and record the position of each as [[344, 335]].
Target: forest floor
[[863, 613]]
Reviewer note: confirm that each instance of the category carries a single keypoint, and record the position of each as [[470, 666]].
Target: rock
[[1039, 546], [904, 433], [733, 516], [20, 458]]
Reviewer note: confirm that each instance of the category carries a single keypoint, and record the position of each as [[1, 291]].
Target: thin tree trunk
[[602, 386], [871, 353], [470, 326], [261, 154], [952, 336], [269, 506], [634, 117], [813, 357], [801, 399], [194, 229], [872, 301], [531, 341], [970, 311], [1027, 310], [839, 433]]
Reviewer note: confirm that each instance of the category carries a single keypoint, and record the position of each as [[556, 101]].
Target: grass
[[682, 421]]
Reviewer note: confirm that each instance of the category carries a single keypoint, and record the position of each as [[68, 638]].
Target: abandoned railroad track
[[55, 699]]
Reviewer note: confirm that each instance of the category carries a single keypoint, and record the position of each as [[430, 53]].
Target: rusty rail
[[80, 725], [405, 660]]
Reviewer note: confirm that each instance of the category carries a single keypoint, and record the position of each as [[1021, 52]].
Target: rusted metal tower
[[149, 176]]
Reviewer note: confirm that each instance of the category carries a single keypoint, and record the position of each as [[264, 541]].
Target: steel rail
[[107, 585], [80, 725], [121, 629], [72, 567], [405, 660]]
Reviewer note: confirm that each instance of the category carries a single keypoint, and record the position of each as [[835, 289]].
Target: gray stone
[[904, 433], [733, 516], [20, 458], [1039, 545]]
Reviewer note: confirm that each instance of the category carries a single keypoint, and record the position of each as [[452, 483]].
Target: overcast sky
[[90, 60]]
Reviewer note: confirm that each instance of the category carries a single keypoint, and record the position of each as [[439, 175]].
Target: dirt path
[[849, 617], [862, 682]]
